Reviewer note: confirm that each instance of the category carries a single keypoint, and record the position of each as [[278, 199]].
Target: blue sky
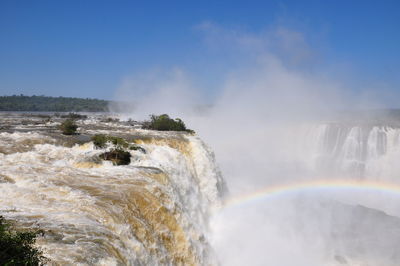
[[87, 48]]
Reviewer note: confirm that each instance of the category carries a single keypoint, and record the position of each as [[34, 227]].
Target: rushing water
[[278, 222], [153, 211], [354, 150], [156, 210]]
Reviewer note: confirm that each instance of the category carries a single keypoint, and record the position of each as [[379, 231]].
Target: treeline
[[51, 104]]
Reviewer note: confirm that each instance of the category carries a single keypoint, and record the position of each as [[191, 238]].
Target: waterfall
[[153, 211], [353, 150], [156, 210]]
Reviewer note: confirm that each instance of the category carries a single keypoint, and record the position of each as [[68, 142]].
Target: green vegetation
[[51, 104], [68, 127], [110, 119], [73, 116], [137, 148], [117, 156], [165, 123], [17, 248], [100, 142]]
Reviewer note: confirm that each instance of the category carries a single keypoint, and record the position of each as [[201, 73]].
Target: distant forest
[[51, 104]]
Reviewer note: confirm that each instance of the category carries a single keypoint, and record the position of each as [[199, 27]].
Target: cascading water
[[355, 150], [362, 152], [153, 211], [284, 218]]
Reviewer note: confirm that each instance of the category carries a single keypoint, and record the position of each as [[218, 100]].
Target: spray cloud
[[274, 91]]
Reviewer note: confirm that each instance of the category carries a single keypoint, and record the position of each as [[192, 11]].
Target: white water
[[156, 210], [369, 152], [152, 212], [313, 227]]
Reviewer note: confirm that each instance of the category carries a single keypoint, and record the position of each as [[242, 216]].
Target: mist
[[260, 125]]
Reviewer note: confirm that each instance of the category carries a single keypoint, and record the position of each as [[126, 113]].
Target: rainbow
[[304, 186]]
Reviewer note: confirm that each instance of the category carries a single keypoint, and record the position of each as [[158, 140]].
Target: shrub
[[117, 156], [118, 142], [165, 123], [100, 141], [135, 147], [110, 119], [68, 127], [17, 248], [74, 116]]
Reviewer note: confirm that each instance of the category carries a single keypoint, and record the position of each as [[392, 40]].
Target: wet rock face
[[118, 157]]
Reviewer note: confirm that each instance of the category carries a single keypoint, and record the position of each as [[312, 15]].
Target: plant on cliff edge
[[100, 141], [165, 123], [17, 248]]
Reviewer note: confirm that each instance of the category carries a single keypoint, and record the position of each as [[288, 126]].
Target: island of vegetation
[[68, 127], [165, 123], [119, 154], [51, 104]]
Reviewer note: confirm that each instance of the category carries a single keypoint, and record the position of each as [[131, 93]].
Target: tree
[[55, 104], [17, 248]]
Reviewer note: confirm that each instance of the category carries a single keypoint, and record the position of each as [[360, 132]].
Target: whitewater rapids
[[153, 211], [164, 208]]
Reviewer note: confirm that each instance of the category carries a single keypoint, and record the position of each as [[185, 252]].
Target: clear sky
[[86, 48]]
